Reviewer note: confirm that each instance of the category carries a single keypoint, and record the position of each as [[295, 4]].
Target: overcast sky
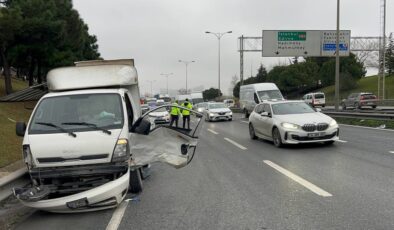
[[157, 33]]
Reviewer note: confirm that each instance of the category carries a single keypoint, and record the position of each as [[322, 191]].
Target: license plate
[[316, 134]]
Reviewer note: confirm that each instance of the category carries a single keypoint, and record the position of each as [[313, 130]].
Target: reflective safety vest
[[175, 110], [186, 105]]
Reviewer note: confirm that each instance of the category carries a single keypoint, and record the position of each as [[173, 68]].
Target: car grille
[[321, 126], [221, 113], [298, 138], [309, 127], [313, 127]]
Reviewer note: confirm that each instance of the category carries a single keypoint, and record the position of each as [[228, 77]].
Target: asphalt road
[[238, 183]]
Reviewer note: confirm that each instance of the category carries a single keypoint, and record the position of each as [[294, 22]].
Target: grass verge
[[10, 144], [365, 122]]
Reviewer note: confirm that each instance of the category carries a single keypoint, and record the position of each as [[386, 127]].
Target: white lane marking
[[117, 216], [235, 143], [12, 120], [342, 141], [210, 130], [247, 122], [363, 127], [391, 151], [298, 179]]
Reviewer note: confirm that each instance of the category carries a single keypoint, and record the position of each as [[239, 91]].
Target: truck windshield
[[270, 94], [100, 111]]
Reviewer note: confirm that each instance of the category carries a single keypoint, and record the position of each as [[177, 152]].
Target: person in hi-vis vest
[[186, 113], [175, 113]]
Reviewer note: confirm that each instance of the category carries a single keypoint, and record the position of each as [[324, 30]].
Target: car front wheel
[[135, 183], [251, 132], [277, 138]]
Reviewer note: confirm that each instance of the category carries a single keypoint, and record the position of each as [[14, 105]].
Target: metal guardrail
[[375, 116]]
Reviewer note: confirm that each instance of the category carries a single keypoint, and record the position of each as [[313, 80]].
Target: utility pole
[[186, 64], [219, 36], [384, 49], [241, 59], [151, 86], [337, 61], [166, 75]]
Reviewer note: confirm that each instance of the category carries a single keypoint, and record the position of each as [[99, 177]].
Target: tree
[[38, 35], [211, 94], [10, 23], [390, 55]]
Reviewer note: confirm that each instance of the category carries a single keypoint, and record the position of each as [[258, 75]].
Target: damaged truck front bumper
[[96, 188]]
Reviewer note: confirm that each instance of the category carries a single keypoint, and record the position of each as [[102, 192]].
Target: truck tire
[[135, 183]]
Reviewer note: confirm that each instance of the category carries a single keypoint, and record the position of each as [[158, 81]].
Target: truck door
[[159, 137]]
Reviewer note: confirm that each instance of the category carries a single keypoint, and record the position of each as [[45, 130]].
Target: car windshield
[[291, 108], [269, 94], [217, 106], [101, 110]]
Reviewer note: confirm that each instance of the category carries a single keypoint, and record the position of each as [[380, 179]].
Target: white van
[[315, 99], [229, 102], [253, 94], [86, 143]]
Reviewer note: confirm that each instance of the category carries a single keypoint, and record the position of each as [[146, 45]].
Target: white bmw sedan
[[291, 122]]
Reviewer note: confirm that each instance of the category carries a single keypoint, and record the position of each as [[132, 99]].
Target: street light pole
[[219, 36], [166, 75], [337, 61], [151, 86], [186, 64]]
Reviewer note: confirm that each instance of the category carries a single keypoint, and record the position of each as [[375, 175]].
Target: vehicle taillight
[[362, 98]]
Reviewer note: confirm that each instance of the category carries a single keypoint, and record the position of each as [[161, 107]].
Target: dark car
[[359, 100]]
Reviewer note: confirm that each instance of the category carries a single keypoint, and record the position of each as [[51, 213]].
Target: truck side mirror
[[20, 129], [141, 126]]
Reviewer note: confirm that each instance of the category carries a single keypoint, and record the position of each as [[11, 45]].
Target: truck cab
[[86, 144]]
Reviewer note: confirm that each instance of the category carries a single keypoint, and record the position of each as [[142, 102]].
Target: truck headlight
[[290, 126], [28, 157], [333, 123], [121, 151]]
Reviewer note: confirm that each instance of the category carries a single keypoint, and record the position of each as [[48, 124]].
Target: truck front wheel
[[135, 183]]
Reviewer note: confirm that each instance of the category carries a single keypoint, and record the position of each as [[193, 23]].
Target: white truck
[[253, 94], [196, 98], [86, 143]]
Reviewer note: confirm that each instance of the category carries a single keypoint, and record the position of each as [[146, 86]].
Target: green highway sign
[[292, 36]]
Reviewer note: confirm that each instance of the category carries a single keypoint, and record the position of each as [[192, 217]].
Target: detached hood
[[60, 149], [220, 110], [305, 118]]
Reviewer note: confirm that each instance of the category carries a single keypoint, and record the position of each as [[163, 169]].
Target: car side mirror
[[318, 109], [264, 114], [20, 129], [141, 126]]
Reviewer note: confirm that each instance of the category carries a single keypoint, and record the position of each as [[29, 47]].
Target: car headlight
[[211, 114], [230, 113], [333, 123], [28, 157], [290, 126], [121, 151]]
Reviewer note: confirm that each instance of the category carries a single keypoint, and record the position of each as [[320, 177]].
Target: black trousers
[[186, 118], [174, 118]]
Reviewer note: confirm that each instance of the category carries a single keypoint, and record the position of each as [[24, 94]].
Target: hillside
[[366, 84]]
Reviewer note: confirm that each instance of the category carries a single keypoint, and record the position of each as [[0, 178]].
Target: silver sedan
[[291, 122]]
